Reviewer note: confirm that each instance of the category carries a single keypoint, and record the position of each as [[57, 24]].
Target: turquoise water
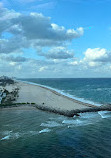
[[38, 134]]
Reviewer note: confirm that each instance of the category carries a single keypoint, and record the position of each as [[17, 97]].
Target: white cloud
[[42, 68], [19, 67], [93, 64], [57, 53], [12, 63], [32, 30], [13, 59], [54, 58], [95, 54], [74, 63], [35, 26], [57, 28], [75, 33], [5, 18], [97, 57], [12, 45]]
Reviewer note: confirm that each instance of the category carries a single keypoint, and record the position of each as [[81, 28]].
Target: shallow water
[[38, 134]]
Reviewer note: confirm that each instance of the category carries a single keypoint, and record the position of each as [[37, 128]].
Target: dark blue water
[[38, 134]]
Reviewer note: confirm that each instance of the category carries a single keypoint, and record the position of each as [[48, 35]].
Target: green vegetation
[[10, 96], [15, 104], [6, 80]]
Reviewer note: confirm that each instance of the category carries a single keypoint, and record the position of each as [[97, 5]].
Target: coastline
[[58, 92], [50, 100], [47, 96], [69, 96]]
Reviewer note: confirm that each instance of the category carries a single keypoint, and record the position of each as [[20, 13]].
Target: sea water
[[38, 134]]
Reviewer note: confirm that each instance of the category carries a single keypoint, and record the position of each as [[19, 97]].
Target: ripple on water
[[51, 124]]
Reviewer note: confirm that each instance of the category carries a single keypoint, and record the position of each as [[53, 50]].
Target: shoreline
[[49, 100], [69, 96], [60, 94]]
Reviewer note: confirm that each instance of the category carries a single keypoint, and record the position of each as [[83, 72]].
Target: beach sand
[[49, 100], [46, 98]]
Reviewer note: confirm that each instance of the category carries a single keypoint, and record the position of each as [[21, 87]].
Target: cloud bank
[[31, 44]]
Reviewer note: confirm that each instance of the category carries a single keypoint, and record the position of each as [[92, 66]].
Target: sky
[[55, 38]]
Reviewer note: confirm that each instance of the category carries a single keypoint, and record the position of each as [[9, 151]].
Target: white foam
[[6, 137], [89, 115], [78, 122], [104, 114], [69, 121], [16, 135], [10, 135], [50, 124], [45, 130], [75, 122], [75, 116]]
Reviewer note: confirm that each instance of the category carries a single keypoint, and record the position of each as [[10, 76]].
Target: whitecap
[[16, 135], [73, 122], [104, 114], [10, 135], [69, 121], [88, 115], [45, 130], [6, 137], [50, 124], [77, 122]]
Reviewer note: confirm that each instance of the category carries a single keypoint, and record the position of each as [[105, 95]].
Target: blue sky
[[55, 38]]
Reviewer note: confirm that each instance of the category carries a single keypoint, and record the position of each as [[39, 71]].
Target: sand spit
[[52, 101], [45, 97]]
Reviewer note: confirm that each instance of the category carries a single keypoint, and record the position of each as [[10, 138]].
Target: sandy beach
[[47, 98], [37, 96]]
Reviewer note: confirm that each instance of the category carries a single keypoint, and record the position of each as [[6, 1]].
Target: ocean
[[39, 134]]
